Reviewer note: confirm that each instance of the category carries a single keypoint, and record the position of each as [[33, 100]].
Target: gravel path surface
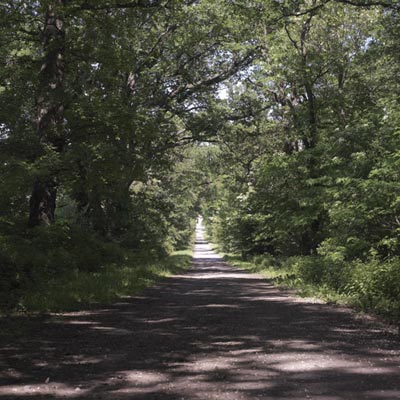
[[213, 333]]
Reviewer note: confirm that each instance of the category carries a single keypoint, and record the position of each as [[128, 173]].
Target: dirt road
[[213, 333]]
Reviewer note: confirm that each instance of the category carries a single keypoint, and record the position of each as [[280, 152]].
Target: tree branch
[[307, 11], [188, 89], [122, 5], [393, 4], [289, 35], [371, 3]]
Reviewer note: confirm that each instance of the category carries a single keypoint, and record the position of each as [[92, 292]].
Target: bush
[[38, 255], [76, 288], [372, 285], [376, 285], [265, 261], [309, 269]]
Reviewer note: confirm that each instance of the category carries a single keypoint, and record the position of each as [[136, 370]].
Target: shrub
[[376, 285], [309, 269]]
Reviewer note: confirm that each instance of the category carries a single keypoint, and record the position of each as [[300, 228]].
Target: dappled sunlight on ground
[[214, 333]]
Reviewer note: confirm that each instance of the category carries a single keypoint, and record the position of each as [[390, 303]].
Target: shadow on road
[[215, 332]]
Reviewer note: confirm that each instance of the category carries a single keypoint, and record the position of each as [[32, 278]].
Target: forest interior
[[276, 120], [123, 121]]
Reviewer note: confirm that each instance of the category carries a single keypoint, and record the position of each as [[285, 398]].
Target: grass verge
[[350, 284], [285, 277], [75, 289]]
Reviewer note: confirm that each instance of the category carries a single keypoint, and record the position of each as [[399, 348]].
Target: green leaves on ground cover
[[372, 286], [74, 289]]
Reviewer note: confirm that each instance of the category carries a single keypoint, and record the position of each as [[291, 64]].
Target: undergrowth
[[62, 267], [76, 288], [371, 286]]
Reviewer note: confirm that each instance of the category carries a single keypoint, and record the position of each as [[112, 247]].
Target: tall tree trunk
[[42, 203], [310, 140], [50, 112]]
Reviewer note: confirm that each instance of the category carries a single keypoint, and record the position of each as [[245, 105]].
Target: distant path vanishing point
[[213, 333]]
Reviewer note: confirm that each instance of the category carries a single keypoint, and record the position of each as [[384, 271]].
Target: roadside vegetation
[[120, 122], [369, 287], [77, 289], [307, 186]]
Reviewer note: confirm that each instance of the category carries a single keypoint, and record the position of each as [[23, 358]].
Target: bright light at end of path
[[199, 225], [202, 249]]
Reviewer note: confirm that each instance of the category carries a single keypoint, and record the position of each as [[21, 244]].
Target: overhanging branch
[[121, 5], [393, 4], [186, 90]]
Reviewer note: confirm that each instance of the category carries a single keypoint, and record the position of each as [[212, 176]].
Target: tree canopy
[[120, 121]]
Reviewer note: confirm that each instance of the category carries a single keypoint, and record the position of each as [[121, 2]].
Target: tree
[[50, 110], [320, 81]]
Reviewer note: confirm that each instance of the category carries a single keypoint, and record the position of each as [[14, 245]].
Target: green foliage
[[309, 172], [41, 254], [371, 286], [376, 285], [75, 289], [301, 108]]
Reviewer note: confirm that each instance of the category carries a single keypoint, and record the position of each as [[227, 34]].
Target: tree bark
[[50, 112], [310, 139], [42, 204]]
